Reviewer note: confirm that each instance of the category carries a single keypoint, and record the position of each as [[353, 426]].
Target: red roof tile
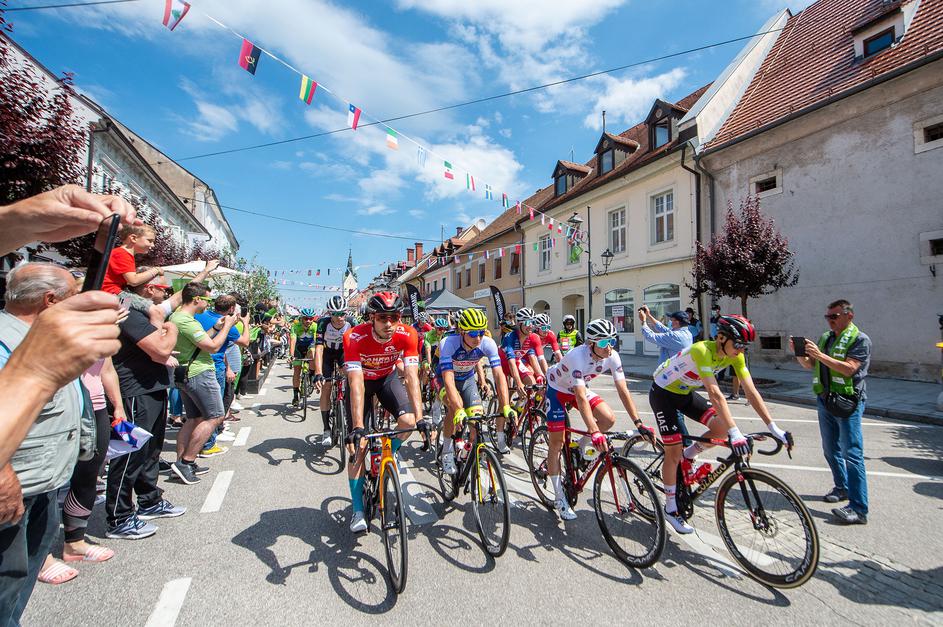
[[813, 59]]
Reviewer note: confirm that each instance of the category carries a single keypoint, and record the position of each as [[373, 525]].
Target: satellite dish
[[480, 223]]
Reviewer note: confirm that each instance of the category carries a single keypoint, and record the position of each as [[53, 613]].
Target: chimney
[[418, 251], [409, 257], [458, 231]]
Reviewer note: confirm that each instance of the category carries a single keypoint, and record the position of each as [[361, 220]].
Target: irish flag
[[353, 117], [174, 11], [448, 171], [308, 87], [392, 141]]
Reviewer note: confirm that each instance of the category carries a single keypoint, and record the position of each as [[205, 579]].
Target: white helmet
[[600, 329], [542, 320], [336, 303], [525, 315], [569, 318]]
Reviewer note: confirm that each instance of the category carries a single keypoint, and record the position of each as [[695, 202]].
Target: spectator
[[669, 341], [694, 325], [45, 460], [840, 361], [202, 398], [141, 364], [715, 316], [122, 271]]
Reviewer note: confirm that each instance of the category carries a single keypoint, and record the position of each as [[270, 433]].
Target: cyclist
[[567, 386], [547, 337], [519, 350], [458, 370], [303, 331], [328, 356], [569, 337], [433, 338], [371, 351], [672, 393]]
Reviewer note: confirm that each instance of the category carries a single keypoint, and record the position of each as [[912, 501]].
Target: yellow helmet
[[472, 320]]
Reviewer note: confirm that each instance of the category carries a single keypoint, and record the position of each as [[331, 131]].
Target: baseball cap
[[680, 316]]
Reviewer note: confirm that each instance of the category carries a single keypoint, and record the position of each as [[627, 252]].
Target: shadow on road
[[316, 457]]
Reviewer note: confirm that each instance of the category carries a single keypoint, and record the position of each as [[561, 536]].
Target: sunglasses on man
[[339, 314], [834, 316], [606, 343], [475, 333], [382, 317]]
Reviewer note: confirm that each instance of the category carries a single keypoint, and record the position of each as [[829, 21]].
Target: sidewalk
[[890, 398]]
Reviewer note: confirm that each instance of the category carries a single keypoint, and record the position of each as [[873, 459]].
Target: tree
[[747, 259], [41, 141], [255, 284]]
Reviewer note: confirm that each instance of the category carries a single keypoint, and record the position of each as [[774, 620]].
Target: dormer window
[[879, 42], [661, 134], [881, 31], [660, 121], [612, 150], [566, 175], [560, 185]]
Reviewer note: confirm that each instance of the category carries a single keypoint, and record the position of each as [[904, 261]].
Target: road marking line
[[870, 473], [704, 549], [263, 391], [256, 405], [214, 500], [418, 509], [242, 436], [169, 603], [799, 420]]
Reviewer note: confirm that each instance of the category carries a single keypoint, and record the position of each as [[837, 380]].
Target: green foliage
[[255, 284]]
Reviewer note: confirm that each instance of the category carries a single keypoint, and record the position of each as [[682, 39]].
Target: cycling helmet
[[738, 329], [337, 303], [441, 323], [542, 320], [600, 329], [385, 302], [307, 313], [423, 317], [525, 315], [472, 320], [569, 318]]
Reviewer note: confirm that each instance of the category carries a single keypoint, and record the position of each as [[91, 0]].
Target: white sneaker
[[358, 524], [564, 510], [678, 522], [448, 463], [225, 436], [326, 439], [236, 405], [502, 444]]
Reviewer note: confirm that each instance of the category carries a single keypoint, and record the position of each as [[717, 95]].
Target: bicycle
[[478, 470], [383, 499], [626, 506], [528, 419], [304, 388], [338, 415], [765, 514]]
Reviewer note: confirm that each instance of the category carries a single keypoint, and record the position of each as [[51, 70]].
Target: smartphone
[[798, 345], [238, 310], [98, 261]]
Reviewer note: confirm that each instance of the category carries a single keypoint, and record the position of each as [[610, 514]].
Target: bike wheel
[[340, 431], [537, 454], [529, 425], [492, 429], [393, 527], [629, 513], [304, 396], [490, 502], [649, 457], [767, 528], [448, 484]]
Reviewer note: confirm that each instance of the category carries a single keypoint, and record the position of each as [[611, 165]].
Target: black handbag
[[837, 404], [180, 372]]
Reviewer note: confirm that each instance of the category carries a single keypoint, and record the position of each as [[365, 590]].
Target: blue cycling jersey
[[455, 357]]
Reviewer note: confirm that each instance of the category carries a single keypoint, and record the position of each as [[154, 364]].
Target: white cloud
[[282, 165], [212, 123], [626, 101], [505, 132], [417, 213], [376, 210]]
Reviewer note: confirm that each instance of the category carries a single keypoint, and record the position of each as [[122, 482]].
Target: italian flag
[[308, 88], [392, 141], [470, 181], [174, 12], [448, 171]]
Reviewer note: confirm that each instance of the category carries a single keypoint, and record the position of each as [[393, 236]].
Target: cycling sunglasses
[[475, 333], [382, 317], [339, 313], [545, 327], [606, 343]]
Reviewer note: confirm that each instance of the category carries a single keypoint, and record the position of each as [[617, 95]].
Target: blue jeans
[[23, 549], [221, 379], [176, 403], [843, 445]]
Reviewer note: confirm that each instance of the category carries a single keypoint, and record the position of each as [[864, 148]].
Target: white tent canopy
[[192, 268]]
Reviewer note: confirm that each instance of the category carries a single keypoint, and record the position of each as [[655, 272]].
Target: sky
[[185, 93]]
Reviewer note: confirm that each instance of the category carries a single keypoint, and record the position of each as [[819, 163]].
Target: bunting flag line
[[353, 117], [421, 156], [489, 195], [448, 171], [174, 12], [550, 225], [308, 88], [506, 203], [531, 210], [469, 181], [249, 56], [518, 207], [543, 218], [392, 140]]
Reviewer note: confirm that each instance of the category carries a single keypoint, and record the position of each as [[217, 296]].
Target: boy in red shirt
[[122, 271]]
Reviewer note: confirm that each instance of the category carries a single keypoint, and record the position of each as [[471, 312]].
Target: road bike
[[304, 388], [338, 414], [529, 418], [765, 525], [479, 472], [626, 503]]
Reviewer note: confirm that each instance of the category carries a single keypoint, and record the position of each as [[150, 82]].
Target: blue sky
[[184, 92]]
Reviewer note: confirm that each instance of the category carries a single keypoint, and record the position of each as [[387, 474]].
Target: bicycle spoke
[[490, 502], [629, 514]]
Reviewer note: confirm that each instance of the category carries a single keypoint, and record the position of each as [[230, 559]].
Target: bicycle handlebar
[[763, 436]]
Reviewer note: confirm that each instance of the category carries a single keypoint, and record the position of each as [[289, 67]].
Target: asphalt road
[[265, 539]]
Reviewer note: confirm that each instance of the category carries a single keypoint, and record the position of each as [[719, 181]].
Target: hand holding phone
[[798, 345], [98, 258]]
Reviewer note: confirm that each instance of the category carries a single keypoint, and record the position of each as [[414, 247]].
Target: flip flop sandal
[[93, 554], [57, 574]]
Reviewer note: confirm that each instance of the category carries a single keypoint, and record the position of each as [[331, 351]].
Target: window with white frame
[[617, 231], [766, 184], [663, 218], [544, 249], [928, 134]]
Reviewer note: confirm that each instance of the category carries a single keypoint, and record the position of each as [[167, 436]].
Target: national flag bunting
[[469, 181], [543, 218], [421, 156], [517, 249], [249, 56], [559, 228], [174, 12], [489, 195], [518, 207], [501, 252], [487, 254], [353, 117], [392, 139], [550, 225], [531, 211], [505, 202], [308, 88], [448, 171]]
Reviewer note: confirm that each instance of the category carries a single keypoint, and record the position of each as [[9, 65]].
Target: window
[[435, 285], [497, 268], [481, 273], [771, 342], [620, 309], [468, 276], [544, 249], [661, 134], [458, 280], [936, 247], [559, 187], [617, 231], [933, 133], [663, 218], [515, 264], [765, 185], [606, 161], [879, 42]]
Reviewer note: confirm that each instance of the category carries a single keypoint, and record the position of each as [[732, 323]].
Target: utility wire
[[66, 6]]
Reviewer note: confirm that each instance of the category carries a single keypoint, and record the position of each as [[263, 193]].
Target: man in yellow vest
[[840, 361]]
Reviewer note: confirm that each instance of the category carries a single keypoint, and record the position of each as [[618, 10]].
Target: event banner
[[499, 307]]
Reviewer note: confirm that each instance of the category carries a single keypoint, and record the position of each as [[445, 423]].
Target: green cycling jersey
[[683, 372]]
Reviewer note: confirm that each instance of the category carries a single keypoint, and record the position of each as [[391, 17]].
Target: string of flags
[[249, 57]]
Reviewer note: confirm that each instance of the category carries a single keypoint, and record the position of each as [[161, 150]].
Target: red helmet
[[738, 329], [385, 302]]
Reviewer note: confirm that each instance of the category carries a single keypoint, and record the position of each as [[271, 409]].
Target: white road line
[[418, 507], [169, 603], [799, 420], [256, 406], [263, 391], [214, 500], [242, 436], [708, 552], [870, 473]]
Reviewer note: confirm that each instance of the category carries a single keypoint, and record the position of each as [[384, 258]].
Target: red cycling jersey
[[362, 351], [513, 348], [551, 338]]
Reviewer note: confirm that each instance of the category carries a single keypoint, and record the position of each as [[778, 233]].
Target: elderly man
[[669, 341], [29, 514]]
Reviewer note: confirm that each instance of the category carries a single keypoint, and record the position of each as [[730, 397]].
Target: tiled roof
[[578, 167], [813, 60], [624, 141], [506, 220]]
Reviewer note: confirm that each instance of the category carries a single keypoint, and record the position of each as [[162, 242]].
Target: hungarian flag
[[308, 88], [353, 117], [392, 141], [470, 181], [249, 56], [448, 171], [174, 12]]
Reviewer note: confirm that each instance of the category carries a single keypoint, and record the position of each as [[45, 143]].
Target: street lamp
[[576, 222]]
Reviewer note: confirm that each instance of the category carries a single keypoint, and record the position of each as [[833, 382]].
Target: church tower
[[349, 285]]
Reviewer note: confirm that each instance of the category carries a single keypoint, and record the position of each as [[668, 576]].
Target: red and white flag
[[353, 117]]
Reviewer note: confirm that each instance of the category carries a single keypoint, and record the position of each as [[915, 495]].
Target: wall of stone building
[[857, 194]]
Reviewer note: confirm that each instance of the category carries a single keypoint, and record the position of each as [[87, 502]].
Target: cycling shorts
[[331, 360], [559, 402], [301, 352], [667, 406], [389, 390], [522, 369], [468, 390]]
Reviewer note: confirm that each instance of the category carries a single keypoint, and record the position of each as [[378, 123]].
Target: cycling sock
[[692, 451], [356, 493], [295, 394], [326, 419], [557, 482], [395, 443], [671, 506]]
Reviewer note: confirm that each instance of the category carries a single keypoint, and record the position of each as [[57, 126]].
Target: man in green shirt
[[202, 398]]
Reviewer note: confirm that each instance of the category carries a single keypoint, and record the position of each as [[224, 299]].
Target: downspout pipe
[[697, 216]]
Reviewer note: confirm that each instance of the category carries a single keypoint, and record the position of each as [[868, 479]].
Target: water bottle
[[587, 449], [461, 449], [375, 463]]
